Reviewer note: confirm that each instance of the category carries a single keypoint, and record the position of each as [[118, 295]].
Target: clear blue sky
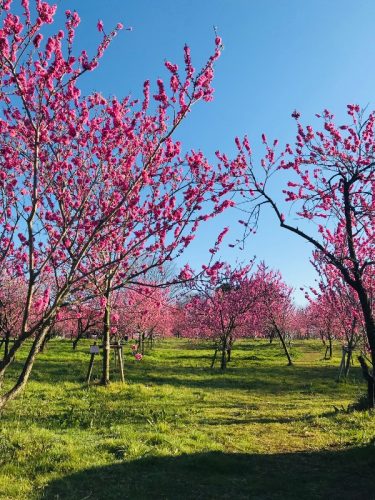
[[279, 55]]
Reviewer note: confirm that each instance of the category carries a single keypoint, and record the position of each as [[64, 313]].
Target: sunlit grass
[[177, 429]]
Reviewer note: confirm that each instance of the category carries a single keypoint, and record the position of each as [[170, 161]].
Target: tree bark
[[6, 344], [106, 335], [75, 342], [143, 343], [9, 358], [290, 362], [330, 348], [224, 354], [370, 382], [79, 334], [214, 359], [370, 332], [229, 348], [26, 370], [328, 353], [348, 360], [44, 343]]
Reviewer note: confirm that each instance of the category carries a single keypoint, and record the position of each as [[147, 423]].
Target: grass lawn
[[178, 430]]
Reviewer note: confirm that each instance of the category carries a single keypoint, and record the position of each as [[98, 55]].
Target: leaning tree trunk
[[370, 332], [368, 376], [44, 343], [214, 358], [79, 334], [26, 370], [279, 334], [9, 358]]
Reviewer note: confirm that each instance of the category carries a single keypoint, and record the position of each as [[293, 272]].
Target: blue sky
[[279, 55]]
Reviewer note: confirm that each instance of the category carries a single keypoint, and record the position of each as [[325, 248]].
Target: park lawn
[[178, 430]]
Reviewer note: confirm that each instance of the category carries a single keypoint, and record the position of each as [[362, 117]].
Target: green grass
[[178, 430]]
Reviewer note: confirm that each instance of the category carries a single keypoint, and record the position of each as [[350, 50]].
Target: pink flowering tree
[[81, 318], [323, 321], [179, 326], [146, 314], [276, 311], [12, 294], [222, 307], [330, 188], [133, 305], [84, 176], [337, 308]]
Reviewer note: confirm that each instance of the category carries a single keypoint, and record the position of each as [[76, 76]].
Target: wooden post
[[115, 357], [91, 364], [121, 361], [107, 333], [342, 364], [88, 378]]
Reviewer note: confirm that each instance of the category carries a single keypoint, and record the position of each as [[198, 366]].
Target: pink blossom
[[100, 26], [37, 40]]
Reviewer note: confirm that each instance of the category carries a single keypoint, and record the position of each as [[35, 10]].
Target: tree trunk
[[224, 354], [330, 348], [75, 342], [44, 343], [290, 362], [229, 354], [370, 332], [6, 344], [214, 359], [26, 370], [9, 358], [79, 334], [370, 382], [139, 348], [348, 360], [328, 353], [106, 336], [106, 345], [229, 348]]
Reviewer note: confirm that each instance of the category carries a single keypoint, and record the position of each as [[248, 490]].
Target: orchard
[[144, 350]]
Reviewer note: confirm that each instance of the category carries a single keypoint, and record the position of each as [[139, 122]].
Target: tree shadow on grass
[[345, 474], [255, 378], [234, 420]]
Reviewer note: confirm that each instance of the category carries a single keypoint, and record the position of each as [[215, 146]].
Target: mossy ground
[[178, 430]]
